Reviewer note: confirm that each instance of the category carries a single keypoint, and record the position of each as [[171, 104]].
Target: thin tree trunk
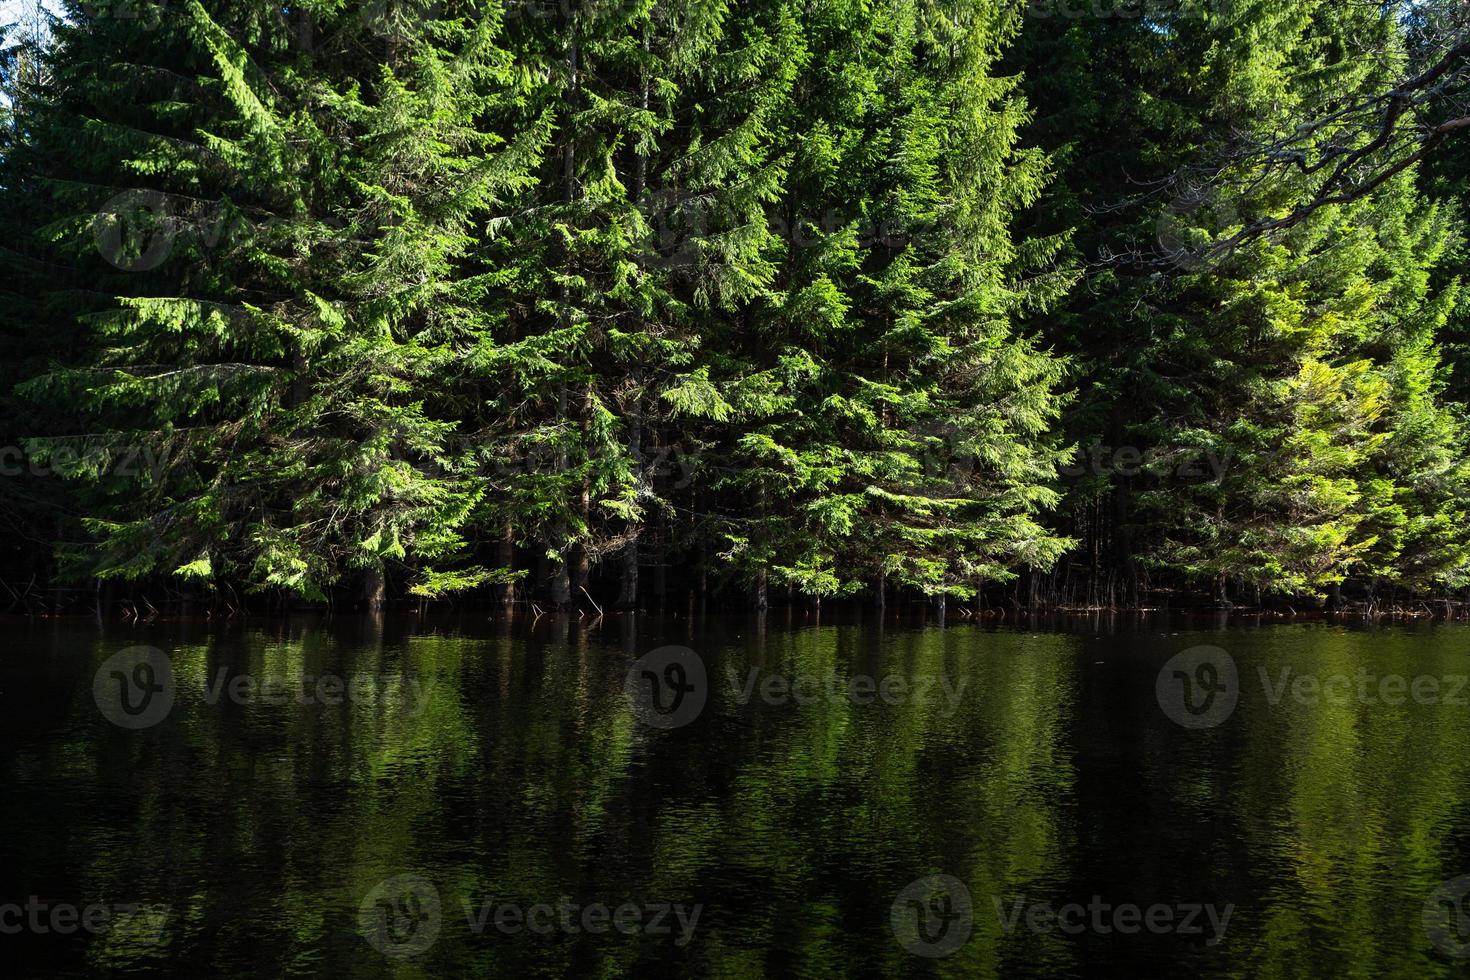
[[628, 596], [628, 593], [507, 562], [661, 570], [374, 588], [561, 585], [703, 571]]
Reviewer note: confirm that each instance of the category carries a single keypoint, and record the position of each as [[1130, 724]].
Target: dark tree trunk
[[628, 594], [507, 561], [561, 585], [628, 591], [374, 588], [661, 569]]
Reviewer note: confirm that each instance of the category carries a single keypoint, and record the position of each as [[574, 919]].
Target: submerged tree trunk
[[628, 594], [1334, 597], [578, 563], [578, 559], [661, 569], [561, 585], [703, 572], [507, 561], [374, 588]]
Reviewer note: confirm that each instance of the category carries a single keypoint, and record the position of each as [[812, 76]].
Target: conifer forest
[[1065, 304]]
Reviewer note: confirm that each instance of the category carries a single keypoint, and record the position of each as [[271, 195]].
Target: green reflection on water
[[507, 767]]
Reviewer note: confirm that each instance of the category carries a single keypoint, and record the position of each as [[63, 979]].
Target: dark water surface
[[451, 798]]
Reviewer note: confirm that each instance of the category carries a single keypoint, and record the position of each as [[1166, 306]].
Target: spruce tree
[[260, 213], [893, 421], [647, 224], [1276, 388]]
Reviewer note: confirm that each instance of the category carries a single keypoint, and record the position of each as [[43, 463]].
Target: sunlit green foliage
[[419, 298]]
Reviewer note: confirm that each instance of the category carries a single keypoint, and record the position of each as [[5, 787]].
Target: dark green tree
[[894, 421], [1301, 366], [258, 214]]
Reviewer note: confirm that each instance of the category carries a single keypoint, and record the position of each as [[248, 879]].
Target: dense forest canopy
[[1058, 303]]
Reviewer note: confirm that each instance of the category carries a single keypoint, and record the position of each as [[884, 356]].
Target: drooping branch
[[1364, 140]]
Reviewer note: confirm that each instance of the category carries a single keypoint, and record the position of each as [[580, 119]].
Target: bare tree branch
[[1364, 140]]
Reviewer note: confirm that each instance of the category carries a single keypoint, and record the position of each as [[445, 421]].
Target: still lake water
[[413, 797]]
